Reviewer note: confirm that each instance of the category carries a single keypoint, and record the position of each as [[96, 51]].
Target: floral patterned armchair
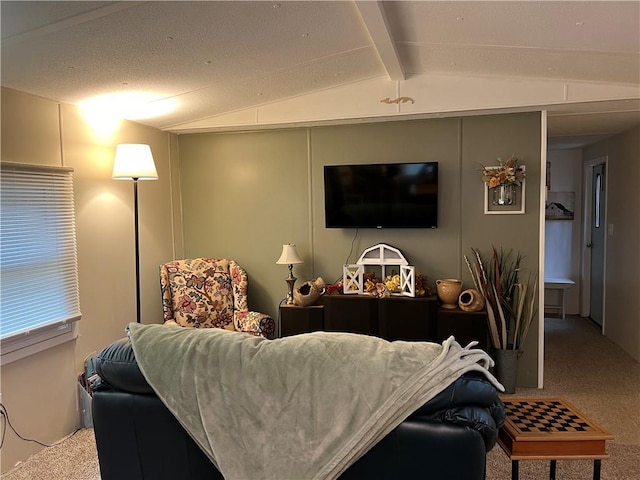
[[210, 292]]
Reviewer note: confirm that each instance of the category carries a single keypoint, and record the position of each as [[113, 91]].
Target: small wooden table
[[294, 320], [550, 429]]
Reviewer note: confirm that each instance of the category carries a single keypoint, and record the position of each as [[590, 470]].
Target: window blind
[[38, 260]]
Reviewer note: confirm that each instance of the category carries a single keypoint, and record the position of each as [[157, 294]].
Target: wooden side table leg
[[514, 469], [597, 465], [552, 470]]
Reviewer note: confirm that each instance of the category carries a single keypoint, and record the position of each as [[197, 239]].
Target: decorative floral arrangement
[[510, 299], [376, 288], [508, 171], [391, 284]]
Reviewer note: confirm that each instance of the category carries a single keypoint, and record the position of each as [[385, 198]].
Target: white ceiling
[[212, 58]]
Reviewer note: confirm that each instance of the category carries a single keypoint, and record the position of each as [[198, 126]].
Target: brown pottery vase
[[471, 300], [448, 292]]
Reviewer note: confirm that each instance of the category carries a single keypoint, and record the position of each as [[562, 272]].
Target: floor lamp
[[134, 161]]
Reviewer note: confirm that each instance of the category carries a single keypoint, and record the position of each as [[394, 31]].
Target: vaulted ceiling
[[187, 66]]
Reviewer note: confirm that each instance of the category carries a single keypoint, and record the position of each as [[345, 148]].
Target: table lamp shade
[[134, 161], [289, 255]]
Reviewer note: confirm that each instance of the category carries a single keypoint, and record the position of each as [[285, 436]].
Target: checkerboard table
[[550, 429]]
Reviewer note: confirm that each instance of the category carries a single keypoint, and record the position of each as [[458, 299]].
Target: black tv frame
[[378, 195]]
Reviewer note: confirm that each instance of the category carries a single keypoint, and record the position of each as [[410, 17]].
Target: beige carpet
[[74, 459], [581, 365], [600, 379]]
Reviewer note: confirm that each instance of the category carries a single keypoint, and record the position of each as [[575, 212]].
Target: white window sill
[[17, 348]]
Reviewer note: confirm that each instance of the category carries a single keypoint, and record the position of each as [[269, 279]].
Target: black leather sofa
[[139, 439]]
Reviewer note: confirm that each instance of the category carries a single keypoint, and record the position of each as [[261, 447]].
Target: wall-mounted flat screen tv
[[389, 195]]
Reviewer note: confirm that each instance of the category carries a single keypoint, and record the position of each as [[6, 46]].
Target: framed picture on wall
[[559, 206], [506, 198]]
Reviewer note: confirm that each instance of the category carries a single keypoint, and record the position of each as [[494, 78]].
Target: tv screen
[[390, 195]]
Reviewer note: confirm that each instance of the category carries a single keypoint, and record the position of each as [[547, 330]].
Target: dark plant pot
[[506, 368]]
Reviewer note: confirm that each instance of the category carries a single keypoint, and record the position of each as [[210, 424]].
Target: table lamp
[[289, 257]]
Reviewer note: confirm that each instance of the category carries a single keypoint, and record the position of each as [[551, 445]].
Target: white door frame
[[541, 242], [585, 271]]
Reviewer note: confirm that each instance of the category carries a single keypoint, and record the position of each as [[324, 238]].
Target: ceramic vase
[[309, 292], [471, 300], [449, 290]]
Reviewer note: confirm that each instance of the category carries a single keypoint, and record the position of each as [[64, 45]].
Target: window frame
[[47, 334]]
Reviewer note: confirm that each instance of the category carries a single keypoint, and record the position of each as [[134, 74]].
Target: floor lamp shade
[[134, 161]]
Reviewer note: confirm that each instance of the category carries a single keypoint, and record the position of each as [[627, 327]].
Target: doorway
[[594, 237]]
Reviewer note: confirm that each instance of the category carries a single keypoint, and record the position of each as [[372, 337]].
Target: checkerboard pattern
[[545, 416]]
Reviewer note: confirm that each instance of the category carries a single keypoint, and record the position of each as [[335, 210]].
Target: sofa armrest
[[137, 438], [423, 448], [486, 421], [117, 367]]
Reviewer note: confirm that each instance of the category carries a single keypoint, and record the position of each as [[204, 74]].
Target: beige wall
[[39, 391], [245, 194], [622, 277]]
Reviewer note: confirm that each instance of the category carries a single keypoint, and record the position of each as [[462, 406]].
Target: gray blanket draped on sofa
[[300, 407]]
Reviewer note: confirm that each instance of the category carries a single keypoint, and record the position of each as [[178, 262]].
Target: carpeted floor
[[590, 371], [598, 378], [74, 459]]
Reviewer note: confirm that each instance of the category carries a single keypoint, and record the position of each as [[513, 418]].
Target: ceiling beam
[[375, 21]]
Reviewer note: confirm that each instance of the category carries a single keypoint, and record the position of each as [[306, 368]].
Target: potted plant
[[511, 303]]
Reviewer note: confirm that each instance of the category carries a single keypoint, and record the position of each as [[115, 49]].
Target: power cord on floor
[[4, 413]]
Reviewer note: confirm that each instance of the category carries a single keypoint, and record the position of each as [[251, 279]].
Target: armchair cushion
[[198, 293]]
